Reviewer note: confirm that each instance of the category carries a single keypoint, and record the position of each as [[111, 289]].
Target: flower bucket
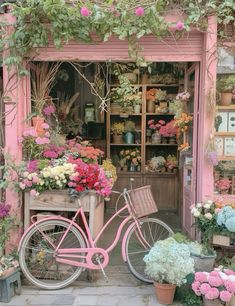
[[226, 98], [215, 302], [150, 106], [129, 138], [165, 293], [37, 124], [137, 109], [117, 138], [156, 138], [205, 263]]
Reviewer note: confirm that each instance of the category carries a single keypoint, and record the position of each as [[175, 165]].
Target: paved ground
[[121, 290]]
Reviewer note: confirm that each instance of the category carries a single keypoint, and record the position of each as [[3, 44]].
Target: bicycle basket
[[142, 201]]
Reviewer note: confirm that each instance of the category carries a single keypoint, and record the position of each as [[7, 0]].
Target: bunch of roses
[[168, 130], [89, 177], [156, 125], [215, 285]]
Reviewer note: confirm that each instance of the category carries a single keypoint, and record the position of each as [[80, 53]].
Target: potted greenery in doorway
[[225, 86], [168, 263]]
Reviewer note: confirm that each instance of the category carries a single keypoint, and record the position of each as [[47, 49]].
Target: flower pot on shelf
[[115, 108], [164, 293], [129, 138], [226, 98], [117, 138], [172, 140], [215, 302], [156, 138], [137, 108], [150, 106]]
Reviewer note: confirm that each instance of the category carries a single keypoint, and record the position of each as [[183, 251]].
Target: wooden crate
[[221, 240]]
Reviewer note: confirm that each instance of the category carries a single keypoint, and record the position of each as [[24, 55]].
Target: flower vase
[[150, 106], [156, 138], [215, 302], [137, 109], [129, 138], [117, 138], [165, 293], [226, 98], [132, 168], [37, 124]]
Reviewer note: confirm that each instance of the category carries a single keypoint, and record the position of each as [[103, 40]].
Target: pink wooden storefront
[[196, 47]]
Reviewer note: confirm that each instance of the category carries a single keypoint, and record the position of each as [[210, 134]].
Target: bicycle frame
[[87, 255]]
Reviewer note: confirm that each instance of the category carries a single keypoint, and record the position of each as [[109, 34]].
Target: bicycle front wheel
[[37, 256], [152, 230]]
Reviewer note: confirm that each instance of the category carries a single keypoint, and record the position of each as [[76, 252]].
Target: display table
[[59, 200]]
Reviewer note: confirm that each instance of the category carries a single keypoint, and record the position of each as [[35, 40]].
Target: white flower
[[196, 213], [207, 206], [25, 174], [199, 205], [210, 202], [208, 216]]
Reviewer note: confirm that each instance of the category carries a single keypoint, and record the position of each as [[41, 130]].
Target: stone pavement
[[121, 290]]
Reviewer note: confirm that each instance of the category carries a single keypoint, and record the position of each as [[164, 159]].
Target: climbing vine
[[38, 22]]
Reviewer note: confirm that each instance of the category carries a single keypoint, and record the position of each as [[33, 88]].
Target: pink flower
[[35, 179], [30, 132], [215, 281], [33, 192], [85, 12], [204, 288], [225, 296], [71, 184], [45, 126], [230, 286], [41, 141], [179, 26], [47, 134], [195, 288], [212, 294], [139, 11], [201, 277], [229, 272], [214, 273], [22, 186], [50, 154], [48, 110]]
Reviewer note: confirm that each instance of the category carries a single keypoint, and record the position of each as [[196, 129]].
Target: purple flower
[[85, 12], [4, 210], [50, 154], [213, 158], [49, 110], [45, 126], [139, 11], [42, 141], [32, 166], [179, 26]]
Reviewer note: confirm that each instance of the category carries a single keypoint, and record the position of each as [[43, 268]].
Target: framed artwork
[[219, 145], [231, 122], [229, 146], [221, 123]]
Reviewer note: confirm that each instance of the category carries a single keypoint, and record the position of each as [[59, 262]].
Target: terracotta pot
[[117, 138], [150, 106], [37, 123], [226, 98], [165, 293], [215, 302]]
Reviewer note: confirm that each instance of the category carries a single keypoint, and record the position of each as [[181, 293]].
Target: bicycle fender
[[53, 218]]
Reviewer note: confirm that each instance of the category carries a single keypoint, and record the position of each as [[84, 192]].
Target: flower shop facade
[[194, 180]]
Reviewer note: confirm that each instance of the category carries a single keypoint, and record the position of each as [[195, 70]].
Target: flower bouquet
[[131, 158], [223, 185], [169, 131], [171, 162], [156, 126], [183, 96], [157, 164], [217, 286]]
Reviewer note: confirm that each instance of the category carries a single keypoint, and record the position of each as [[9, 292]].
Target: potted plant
[[223, 185], [137, 105], [169, 131], [171, 162], [225, 85], [216, 288], [151, 98], [205, 222], [168, 263], [155, 126], [161, 97], [157, 164], [129, 128], [117, 130]]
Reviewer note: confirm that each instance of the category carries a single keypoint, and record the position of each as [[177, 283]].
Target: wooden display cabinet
[[164, 185]]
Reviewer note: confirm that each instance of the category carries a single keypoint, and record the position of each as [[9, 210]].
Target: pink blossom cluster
[[184, 96], [215, 285], [223, 184], [156, 126], [49, 110], [179, 26], [169, 130], [53, 151]]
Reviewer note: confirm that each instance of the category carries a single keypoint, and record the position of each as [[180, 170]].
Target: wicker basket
[[142, 201], [221, 240]]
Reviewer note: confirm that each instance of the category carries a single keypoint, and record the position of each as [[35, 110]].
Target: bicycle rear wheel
[[36, 255], [152, 230]]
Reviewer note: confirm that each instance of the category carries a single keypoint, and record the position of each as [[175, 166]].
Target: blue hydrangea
[[226, 218], [230, 224]]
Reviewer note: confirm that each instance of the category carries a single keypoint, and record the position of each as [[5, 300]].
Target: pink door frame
[[203, 51]]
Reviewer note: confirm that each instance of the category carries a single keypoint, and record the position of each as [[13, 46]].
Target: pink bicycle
[[54, 251]]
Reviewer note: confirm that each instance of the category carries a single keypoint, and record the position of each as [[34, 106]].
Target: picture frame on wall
[[219, 145], [222, 122], [229, 146]]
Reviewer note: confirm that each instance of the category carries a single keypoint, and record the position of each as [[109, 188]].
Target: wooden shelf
[[226, 158], [167, 114], [226, 107], [125, 144], [227, 134], [124, 114], [161, 144], [149, 85]]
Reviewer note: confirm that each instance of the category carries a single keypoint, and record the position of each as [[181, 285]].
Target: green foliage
[[187, 297], [39, 21]]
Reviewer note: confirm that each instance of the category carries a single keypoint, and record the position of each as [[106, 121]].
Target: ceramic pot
[[165, 293], [117, 138], [156, 138], [37, 124], [137, 109], [205, 263], [129, 138], [226, 98], [150, 106], [215, 302]]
